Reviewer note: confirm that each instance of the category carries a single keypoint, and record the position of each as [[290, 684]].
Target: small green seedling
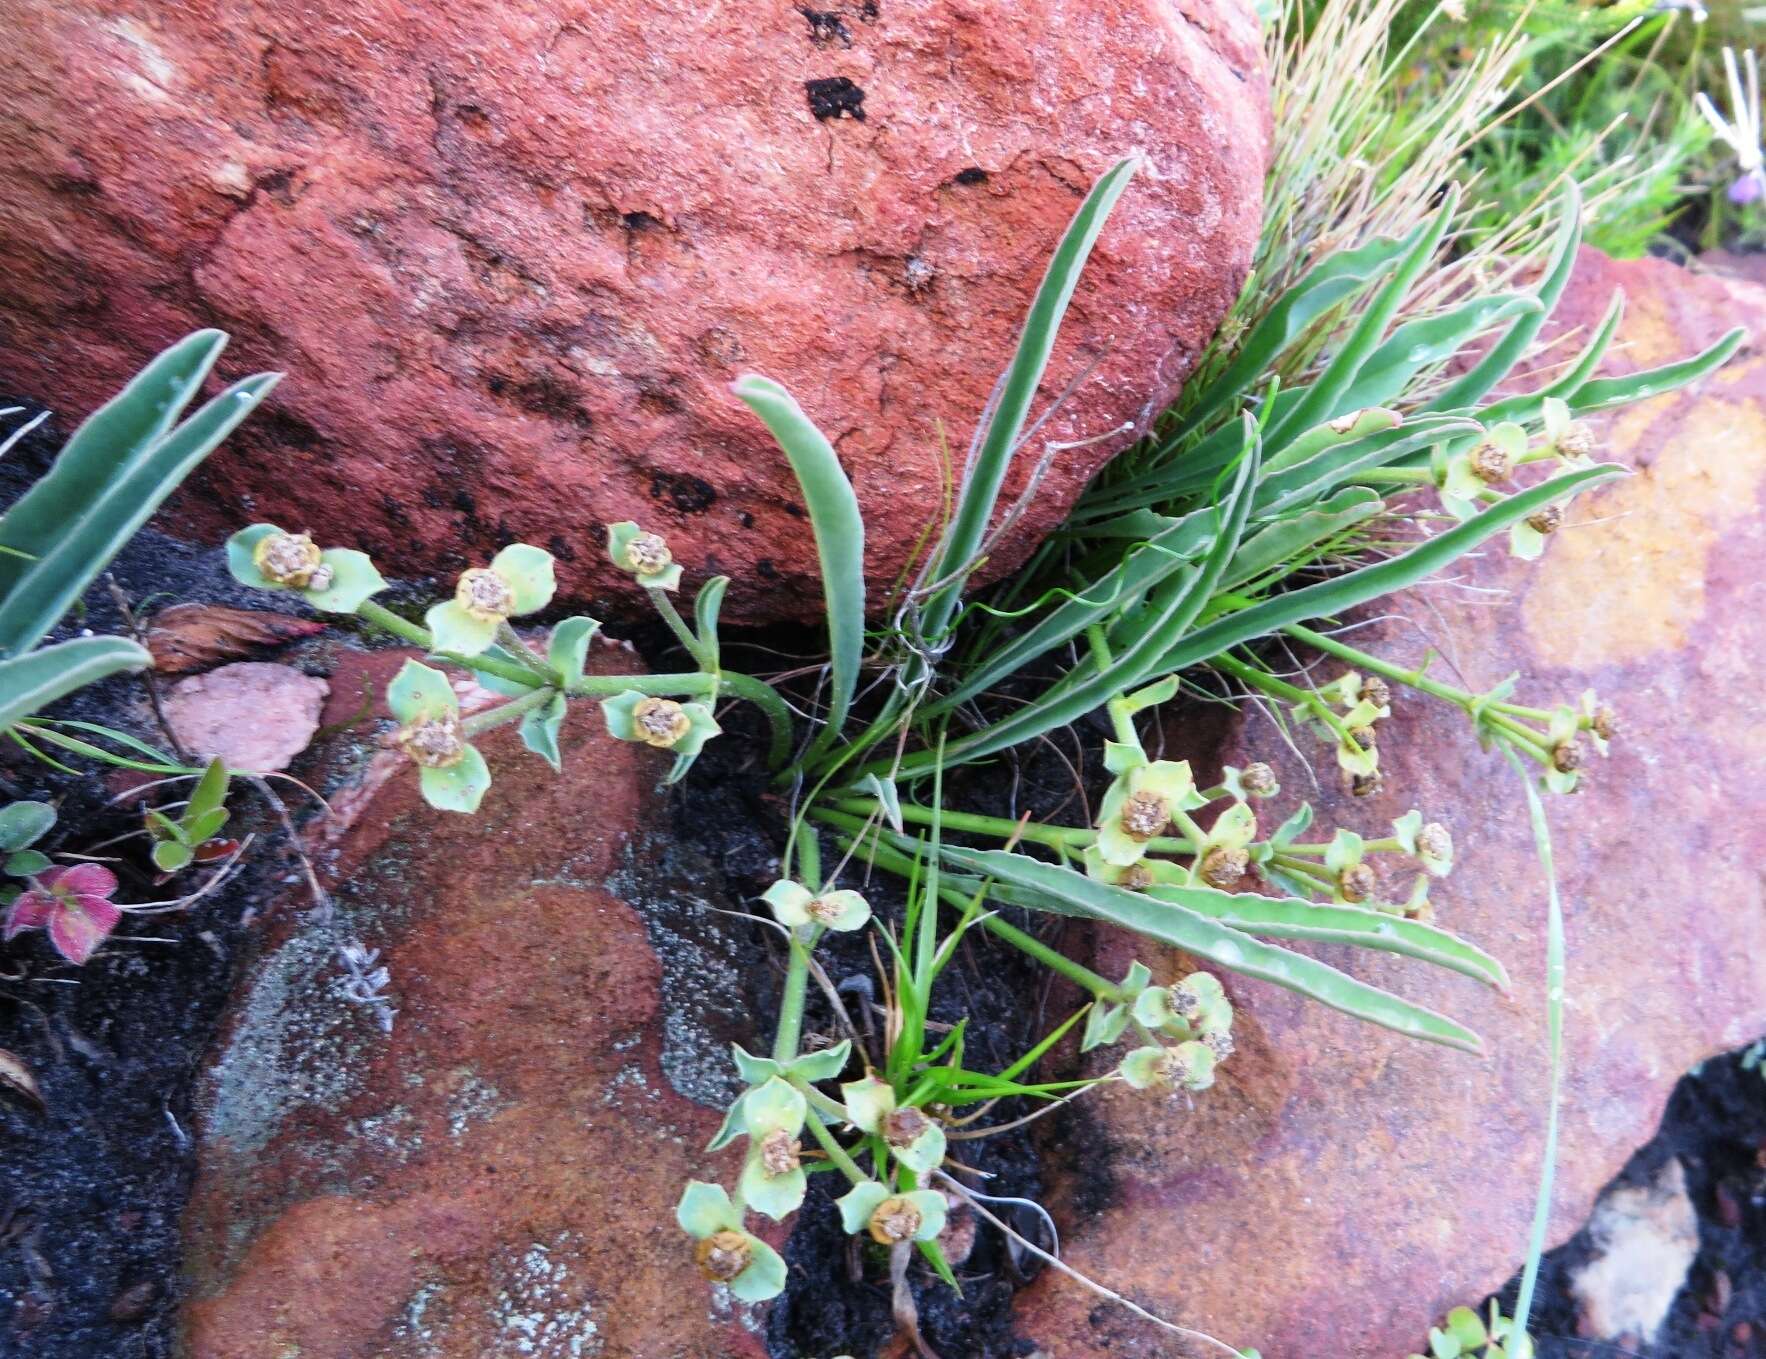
[[176, 843]]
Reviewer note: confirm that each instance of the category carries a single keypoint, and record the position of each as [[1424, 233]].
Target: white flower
[[1743, 134]]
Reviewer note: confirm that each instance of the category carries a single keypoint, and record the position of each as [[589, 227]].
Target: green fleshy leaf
[[24, 823], [169, 856], [539, 730], [824, 1065], [240, 548], [765, 1276], [353, 579], [26, 863], [753, 1070], [457, 631], [705, 1209], [418, 692], [459, 787], [1104, 1025], [530, 573], [857, 1205], [568, 647]]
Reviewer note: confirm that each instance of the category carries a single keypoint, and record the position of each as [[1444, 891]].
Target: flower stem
[[678, 625], [385, 619], [791, 1003], [812, 1119], [507, 712]]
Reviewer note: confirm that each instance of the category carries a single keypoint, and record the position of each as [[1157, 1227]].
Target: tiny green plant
[[180, 840], [1463, 1334]]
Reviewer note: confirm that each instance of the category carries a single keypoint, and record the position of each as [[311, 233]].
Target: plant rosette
[[73, 904], [1140, 805], [913, 1138], [332, 579], [891, 1219], [773, 1180], [797, 908], [520, 580], [661, 723], [726, 1254], [452, 773], [645, 555]]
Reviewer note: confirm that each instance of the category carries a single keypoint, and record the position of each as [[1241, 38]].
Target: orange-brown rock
[[1341, 1187], [511, 255], [496, 1176]]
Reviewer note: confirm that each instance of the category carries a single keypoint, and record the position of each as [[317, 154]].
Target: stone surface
[[1645, 1238], [511, 255], [497, 1176], [190, 637], [253, 714], [1341, 1187]]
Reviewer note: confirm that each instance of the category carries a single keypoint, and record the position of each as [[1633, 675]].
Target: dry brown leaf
[[189, 637]]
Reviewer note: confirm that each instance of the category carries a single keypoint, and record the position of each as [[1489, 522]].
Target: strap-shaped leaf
[[1291, 538], [108, 442], [35, 680], [1308, 482], [125, 491], [1292, 918], [981, 487], [1155, 632], [1325, 397], [839, 530], [1060, 888], [1428, 341], [1601, 393]]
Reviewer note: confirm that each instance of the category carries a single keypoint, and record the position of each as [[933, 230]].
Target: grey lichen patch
[[393, 1132], [472, 1100], [541, 1310], [295, 1041], [706, 964]]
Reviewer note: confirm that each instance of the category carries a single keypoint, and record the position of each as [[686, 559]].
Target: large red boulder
[[1341, 1187], [511, 254]]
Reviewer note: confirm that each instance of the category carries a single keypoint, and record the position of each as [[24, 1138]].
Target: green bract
[[645, 555], [706, 1214], [773, 1181], [913, 1138], [519, 580], [351, 580], [915, 1216], [661, 722], [796, 906], [1188, 1066], [1140, 805], [452, 773], [1472, 472]]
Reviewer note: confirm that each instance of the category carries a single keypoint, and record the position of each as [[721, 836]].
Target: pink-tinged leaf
[[81, 925], [31, 911], [86, 880]]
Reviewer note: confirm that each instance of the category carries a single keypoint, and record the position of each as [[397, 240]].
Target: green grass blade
[[105, 445], [35, 680], [132, 489], [1215, 942], [839, 532], [1508, 351], [1291, 918], [980, 490]]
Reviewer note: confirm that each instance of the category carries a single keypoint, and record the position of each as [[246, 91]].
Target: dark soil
[[1715, 1124]]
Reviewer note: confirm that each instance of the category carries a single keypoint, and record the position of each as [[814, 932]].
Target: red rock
[[496, 1176], [252, 714], [512, 255], [1340, 1188]]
